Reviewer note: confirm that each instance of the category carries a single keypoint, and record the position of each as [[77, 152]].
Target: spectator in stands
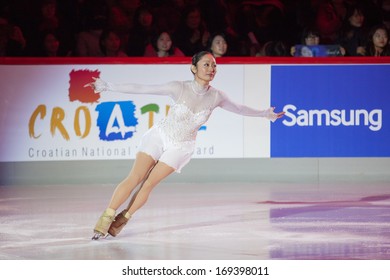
[[248, 25], [46, 19], [121, 17], [274, 49], [141, 33], [162, 46], [95, 21], [353, 35], [305, 14], [378, 41], [372, 11], [215, 14], [110, 44], [51, 46], [192, 34], [12, 41], [385, 11], [311, 37], [260, 22], [219, 17], [218, 45], [18, 12], [330, 15], [166, 14], [122, 14]]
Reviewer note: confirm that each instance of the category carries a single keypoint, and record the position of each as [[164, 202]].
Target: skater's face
[[205, 69]]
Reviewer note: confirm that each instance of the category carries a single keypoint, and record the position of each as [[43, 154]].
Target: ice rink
[[201, 221]]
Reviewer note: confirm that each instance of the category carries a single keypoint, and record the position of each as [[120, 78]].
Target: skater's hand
[[280, 114], [98, 85], [274, 116]]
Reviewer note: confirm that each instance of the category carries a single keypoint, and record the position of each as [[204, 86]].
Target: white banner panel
[[257, 91], [46, 113]]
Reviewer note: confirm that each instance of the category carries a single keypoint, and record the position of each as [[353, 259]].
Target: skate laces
[[108, 216]]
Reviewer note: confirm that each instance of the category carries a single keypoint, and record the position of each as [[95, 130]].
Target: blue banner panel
[[331, 111]]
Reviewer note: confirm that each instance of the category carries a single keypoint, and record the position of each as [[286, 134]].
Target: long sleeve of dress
[[172, 89], [226, 103]]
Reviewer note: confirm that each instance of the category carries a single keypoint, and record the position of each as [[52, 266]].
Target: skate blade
[[97, 236]]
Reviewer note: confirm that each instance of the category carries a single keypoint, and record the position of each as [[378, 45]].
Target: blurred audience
[[167, 14], [140, 35], [121, 17], [12, 41], [250, 28], [218, 45], [274, 49], [110, 44], [192, 34], [378, 41], [330, 15], [260, 22], [51, 46], [312, 37], [45, 18], [94, 21], [353, 34], [384, 7], [162, 46]]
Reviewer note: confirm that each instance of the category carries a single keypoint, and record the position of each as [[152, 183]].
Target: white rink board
[[47, 87]]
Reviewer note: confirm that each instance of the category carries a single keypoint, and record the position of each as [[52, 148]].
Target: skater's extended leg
[[159, 172], [122, 218], [140, 170], [142, 165]]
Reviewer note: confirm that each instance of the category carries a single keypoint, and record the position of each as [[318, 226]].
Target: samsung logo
[[315, 117]]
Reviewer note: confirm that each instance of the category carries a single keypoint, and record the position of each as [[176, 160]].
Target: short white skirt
[[156, 144]]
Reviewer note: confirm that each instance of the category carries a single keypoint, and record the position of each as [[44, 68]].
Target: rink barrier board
[[301, 142]]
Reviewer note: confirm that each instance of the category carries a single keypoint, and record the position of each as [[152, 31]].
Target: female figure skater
[[168, 145]]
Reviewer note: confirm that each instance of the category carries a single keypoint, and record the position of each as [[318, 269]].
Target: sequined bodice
[[181, 124], [192, 108]]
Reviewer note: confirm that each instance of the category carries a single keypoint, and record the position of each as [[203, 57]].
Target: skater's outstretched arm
[[226, 103], [172, 89]]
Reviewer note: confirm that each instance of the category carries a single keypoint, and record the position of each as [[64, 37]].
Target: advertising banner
[[331, 111], [47, 114]]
